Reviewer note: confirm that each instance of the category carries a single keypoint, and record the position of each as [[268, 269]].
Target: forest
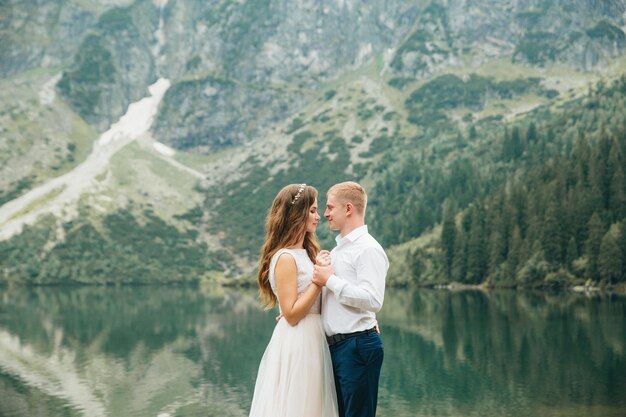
[[558, 216]]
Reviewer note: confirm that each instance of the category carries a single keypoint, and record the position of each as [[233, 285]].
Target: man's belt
[[340, 337]]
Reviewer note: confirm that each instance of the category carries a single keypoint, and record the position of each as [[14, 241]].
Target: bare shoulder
[[286, 266]]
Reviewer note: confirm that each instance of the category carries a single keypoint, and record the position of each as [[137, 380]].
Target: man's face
[[335, 213]]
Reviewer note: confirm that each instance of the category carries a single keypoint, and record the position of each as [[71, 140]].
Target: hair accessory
[[300, 189]]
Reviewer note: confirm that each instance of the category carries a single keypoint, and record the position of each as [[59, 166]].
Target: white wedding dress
[[295, 376]]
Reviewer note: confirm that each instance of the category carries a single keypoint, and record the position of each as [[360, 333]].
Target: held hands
[[321, 275], [323, 258], [322, 269]]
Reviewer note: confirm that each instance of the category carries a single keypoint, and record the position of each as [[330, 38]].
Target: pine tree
[[592, 247], [622, 245], [507, 152], [610, 257], [571, 254], [590, 201], [602, 169], [517, 207], [497, 231], [531, 134], [472, 133], [552, 232], [535, 268], [459, 262], [448, 238], [497, 250], [617, 195], [476, 250], [515, 255], [516, 143]]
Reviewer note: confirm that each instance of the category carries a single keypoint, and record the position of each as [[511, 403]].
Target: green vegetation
[[217, 13], [298, 140], [115, 20], [329, 94], [415, 43], [295, 124], [322, 117], [449, 91], [558, 217], [177, 107], [421, 42], [379, 145], [122, 249], [530, 18], [38, 203], [193, 63], [83, 83], [400, 82], [564, 224], [606, 30], [426, 104], [537, 48], [242, 206], [412, 178], [16, 189], [429, 156], [93, 70]]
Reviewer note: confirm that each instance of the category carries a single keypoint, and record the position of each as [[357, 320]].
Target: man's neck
[[349, 228]]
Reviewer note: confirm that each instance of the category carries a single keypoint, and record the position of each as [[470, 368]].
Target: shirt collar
[[352, 236]]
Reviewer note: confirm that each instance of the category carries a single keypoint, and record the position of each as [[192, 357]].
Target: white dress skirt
[[295, 377]]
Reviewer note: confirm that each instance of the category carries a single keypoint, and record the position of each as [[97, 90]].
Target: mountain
[[416, 100]]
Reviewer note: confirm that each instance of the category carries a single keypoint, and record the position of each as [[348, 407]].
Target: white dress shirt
[[355, 292]]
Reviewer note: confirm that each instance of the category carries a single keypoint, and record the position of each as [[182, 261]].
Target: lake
[[187, 351]]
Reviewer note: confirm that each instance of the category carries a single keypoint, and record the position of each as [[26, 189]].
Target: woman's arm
[[292, 307]]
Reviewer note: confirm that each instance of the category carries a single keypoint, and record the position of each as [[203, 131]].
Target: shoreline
[[246, 284], [583, 289]]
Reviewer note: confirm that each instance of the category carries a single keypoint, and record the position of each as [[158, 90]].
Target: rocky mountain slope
[[265, 93]]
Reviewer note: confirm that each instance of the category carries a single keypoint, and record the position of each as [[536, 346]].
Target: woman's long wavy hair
[[284, 227]]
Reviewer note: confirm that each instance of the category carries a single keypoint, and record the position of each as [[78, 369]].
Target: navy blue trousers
[[356, 365]]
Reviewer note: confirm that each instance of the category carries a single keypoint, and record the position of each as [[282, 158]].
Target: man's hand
[[323, 258], [321, 275]]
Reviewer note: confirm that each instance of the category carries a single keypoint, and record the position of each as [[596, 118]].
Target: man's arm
[[369, 293]]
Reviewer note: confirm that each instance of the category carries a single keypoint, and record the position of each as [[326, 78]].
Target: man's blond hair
[[350, 192]]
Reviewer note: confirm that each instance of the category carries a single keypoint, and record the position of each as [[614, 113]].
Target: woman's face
[[314, 218]]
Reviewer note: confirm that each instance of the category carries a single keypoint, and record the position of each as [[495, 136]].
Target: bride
[[295, 377]]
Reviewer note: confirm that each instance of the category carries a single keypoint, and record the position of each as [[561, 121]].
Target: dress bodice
[[305, 273]]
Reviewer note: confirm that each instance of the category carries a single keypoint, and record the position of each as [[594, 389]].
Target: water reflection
[[505, 353], [129, 351], [184, 351]]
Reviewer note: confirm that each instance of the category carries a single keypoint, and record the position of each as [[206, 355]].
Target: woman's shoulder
[[282, 251], [291, 256], [286, 262], [283, 255], [278, 256]]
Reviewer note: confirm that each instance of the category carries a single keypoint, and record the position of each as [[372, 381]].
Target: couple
[[324, 365]]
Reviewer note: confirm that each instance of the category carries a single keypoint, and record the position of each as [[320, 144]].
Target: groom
[[352, 293]]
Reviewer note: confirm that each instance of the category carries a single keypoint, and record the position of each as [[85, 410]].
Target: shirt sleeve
[[369, 293]]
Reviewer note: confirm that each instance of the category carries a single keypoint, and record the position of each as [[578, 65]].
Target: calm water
[[170, 351]]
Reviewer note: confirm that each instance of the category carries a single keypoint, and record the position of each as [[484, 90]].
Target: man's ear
[[349, 209]]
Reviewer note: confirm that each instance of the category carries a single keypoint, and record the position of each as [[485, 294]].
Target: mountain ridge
[[401, 128]]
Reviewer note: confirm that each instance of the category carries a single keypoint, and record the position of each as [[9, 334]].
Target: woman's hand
[[323, 258]]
